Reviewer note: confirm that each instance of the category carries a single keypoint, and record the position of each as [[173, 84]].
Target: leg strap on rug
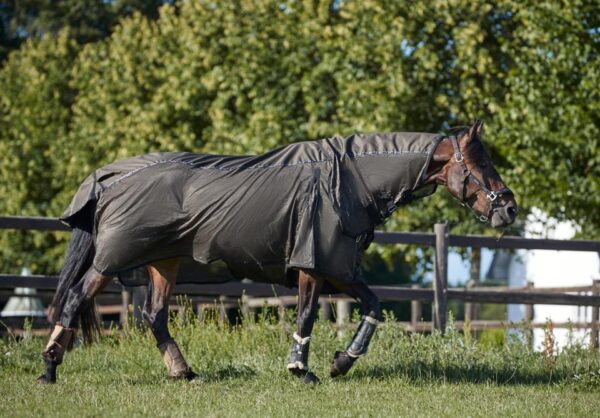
[[299, 354], [360, 342], [176, 364], [61, 341]]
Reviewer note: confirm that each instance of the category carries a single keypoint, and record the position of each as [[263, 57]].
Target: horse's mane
[[459, 130]]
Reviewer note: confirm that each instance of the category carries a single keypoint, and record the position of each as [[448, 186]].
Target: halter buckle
[[492, 196], [458, 157], [483, 218]]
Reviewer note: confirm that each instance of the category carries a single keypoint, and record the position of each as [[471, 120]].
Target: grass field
[[243, 373]]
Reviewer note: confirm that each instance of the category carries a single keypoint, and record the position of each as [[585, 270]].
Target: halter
[[491, 195]]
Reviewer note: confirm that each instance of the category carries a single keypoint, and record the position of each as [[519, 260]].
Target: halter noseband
[[491, 195]]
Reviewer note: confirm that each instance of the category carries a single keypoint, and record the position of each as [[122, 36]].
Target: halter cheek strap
[[467, 176]]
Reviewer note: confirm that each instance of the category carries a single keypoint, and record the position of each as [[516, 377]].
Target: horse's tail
[[78, 260]]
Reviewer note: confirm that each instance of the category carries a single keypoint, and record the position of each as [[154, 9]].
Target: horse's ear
[[476, 129]]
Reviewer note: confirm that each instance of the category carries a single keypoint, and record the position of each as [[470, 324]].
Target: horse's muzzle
[[504, 215]]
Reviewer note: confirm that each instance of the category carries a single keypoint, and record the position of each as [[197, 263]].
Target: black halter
[[491, 195]]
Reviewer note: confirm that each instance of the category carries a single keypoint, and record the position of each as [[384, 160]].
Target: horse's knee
[[372, 307], [376, 310]]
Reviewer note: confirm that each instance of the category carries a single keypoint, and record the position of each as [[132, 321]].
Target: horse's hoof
[[306, 376], [190, 375], [43, 380], [342, 363], [185, 375]]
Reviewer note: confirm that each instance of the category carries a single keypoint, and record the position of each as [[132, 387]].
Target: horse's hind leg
[[309, 289], [79, 298], [156, 313], [359, 345]]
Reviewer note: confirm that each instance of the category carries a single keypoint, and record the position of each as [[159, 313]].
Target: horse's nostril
[[511, 211]]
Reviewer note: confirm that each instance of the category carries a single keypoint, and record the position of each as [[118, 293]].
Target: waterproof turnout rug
[[311, 205]]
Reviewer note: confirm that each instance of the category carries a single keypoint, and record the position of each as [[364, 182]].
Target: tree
[[247, 76], [87, 20]]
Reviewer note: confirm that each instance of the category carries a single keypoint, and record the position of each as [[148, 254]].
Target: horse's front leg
[[371, 310], [309, 289]]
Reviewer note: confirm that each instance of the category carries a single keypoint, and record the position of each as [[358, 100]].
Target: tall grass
[[243, 366], [260, 345]]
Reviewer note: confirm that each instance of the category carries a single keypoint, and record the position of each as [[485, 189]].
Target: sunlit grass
[[242, 372]]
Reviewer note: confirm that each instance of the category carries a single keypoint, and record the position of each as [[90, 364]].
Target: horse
[[301, 215]]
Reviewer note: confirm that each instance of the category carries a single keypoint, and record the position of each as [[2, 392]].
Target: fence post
[[475, 271], [529, 308], [124, 307], [415, 311], [325, 313], [342, 315], [138, 297], [440, 277], [529, 318], [594, 333]]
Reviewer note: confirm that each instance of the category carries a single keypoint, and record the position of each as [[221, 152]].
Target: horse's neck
[[390, 181]]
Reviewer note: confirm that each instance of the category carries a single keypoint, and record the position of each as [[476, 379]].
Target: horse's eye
[[482, 164]]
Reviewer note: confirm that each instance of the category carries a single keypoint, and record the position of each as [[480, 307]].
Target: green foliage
[[247, 76], [242, 372], [493, 337], [87, 20]]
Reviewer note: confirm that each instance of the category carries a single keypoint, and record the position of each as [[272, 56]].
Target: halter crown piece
[[491, 195]]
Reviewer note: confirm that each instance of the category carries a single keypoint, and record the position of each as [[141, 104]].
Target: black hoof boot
[[305, 376], [187, 374], [190, 375], [49, 377], [45, 380], [342, 363]]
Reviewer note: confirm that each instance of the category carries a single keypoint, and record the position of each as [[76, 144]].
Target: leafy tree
[[246, 76], [87, 20], [35, 107]]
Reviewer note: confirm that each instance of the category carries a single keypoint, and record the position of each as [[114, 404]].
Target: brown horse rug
[[311, 205]]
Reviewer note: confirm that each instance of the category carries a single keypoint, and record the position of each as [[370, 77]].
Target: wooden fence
[[239, 293]]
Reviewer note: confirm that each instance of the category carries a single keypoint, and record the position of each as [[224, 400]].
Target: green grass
[[243, 373]]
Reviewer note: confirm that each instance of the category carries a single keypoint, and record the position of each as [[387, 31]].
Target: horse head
[[462, 164]]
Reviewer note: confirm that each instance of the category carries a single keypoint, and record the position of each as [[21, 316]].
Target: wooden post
[[594, 332], [325, 313], [138, 297], [529, 319], [415, 311], [222, 310], [471, 308], [244, 308], [440, 278], [342, 310], [124, 307], [529, 308]]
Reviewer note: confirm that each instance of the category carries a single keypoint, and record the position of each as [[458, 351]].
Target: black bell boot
[[343, 361], [298, 360]]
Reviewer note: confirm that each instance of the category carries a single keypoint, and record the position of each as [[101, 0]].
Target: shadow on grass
[[229, 372], [226, 373], [423, 372]]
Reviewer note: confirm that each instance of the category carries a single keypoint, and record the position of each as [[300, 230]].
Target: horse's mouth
[[503, 216]]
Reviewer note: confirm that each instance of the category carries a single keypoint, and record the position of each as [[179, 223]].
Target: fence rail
[[438, 295], [386, 293], [415, 238]]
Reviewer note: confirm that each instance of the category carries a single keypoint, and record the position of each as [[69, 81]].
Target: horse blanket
[[310, 205]]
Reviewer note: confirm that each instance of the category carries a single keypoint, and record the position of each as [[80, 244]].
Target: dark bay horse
[[300, 216]]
